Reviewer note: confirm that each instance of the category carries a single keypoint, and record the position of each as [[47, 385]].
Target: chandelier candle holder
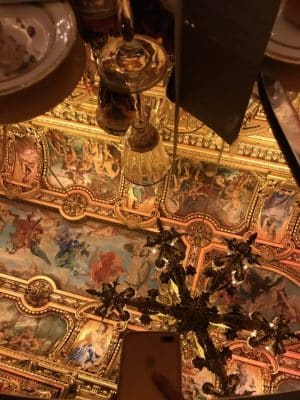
[[197, 313], [131, 64]]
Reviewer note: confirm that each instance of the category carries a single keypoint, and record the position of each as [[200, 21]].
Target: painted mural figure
[[30, 335], [89, 351], [78, 161], [78, 257], [26, 341], [141, 198], [26, 162], [275, 213], [230, 198], [192, 381], [223, 193], [288, 305], [28, 234], [246, 383], [107, 165], [282, 294], [69, 250], [105, 267], [139, 270]]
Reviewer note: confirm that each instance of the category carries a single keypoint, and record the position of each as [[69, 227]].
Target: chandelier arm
[[196, 313], [215, 361]]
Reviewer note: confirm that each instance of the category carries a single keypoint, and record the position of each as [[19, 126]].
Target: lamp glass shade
[[144, 160]]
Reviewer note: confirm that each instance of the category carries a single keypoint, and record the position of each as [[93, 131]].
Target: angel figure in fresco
[[183, 175], [288, 305], [57, 142], [282, 294], [28, 234], [89, 351], [89, 151], [105, 267], [26, 341], [181, 182], [69, 250], [106, 164], [69, 158], [136, 195], [141, 198], [140, 268], [246, 384], [233, 209], [26, 166], [230, 199], [275, 213]]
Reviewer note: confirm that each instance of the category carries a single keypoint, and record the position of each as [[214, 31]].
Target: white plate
[[284, 44], [34, 40]]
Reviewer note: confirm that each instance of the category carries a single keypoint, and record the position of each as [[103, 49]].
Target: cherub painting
[[105, 267], [26, 166], [27, 233], [30, 335], [224, 193], [192, 381], [284, 297], [288, 385], [82, 161], [77, 256], [250, 378], [91, 344], [141, 198], [282, 293], [274, 216]]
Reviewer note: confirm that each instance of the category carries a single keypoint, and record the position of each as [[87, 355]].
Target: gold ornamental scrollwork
[[241, 347], [269, 253], [24, 164], [134, 220], [82, 311], [279, 379], [38, 293], [74, 205], [199, 234]]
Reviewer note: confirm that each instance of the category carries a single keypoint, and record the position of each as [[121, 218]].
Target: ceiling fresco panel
[[72, 222], [24, 163], [286, 383], [77, 161], [78, 257], [27, 334], [224, 194], [281, 297], [15, 382], [277, 210], [91, 345]]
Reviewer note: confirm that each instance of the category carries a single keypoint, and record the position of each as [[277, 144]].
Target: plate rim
[[274, 48], [282, 57], [70, 16]]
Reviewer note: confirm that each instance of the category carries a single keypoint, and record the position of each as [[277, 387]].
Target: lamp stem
[[125, 20], [139, 106]]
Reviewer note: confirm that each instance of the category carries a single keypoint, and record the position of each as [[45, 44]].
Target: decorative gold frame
[[255, 151]]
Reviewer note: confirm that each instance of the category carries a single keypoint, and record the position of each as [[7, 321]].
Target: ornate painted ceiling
[[70, 221]]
